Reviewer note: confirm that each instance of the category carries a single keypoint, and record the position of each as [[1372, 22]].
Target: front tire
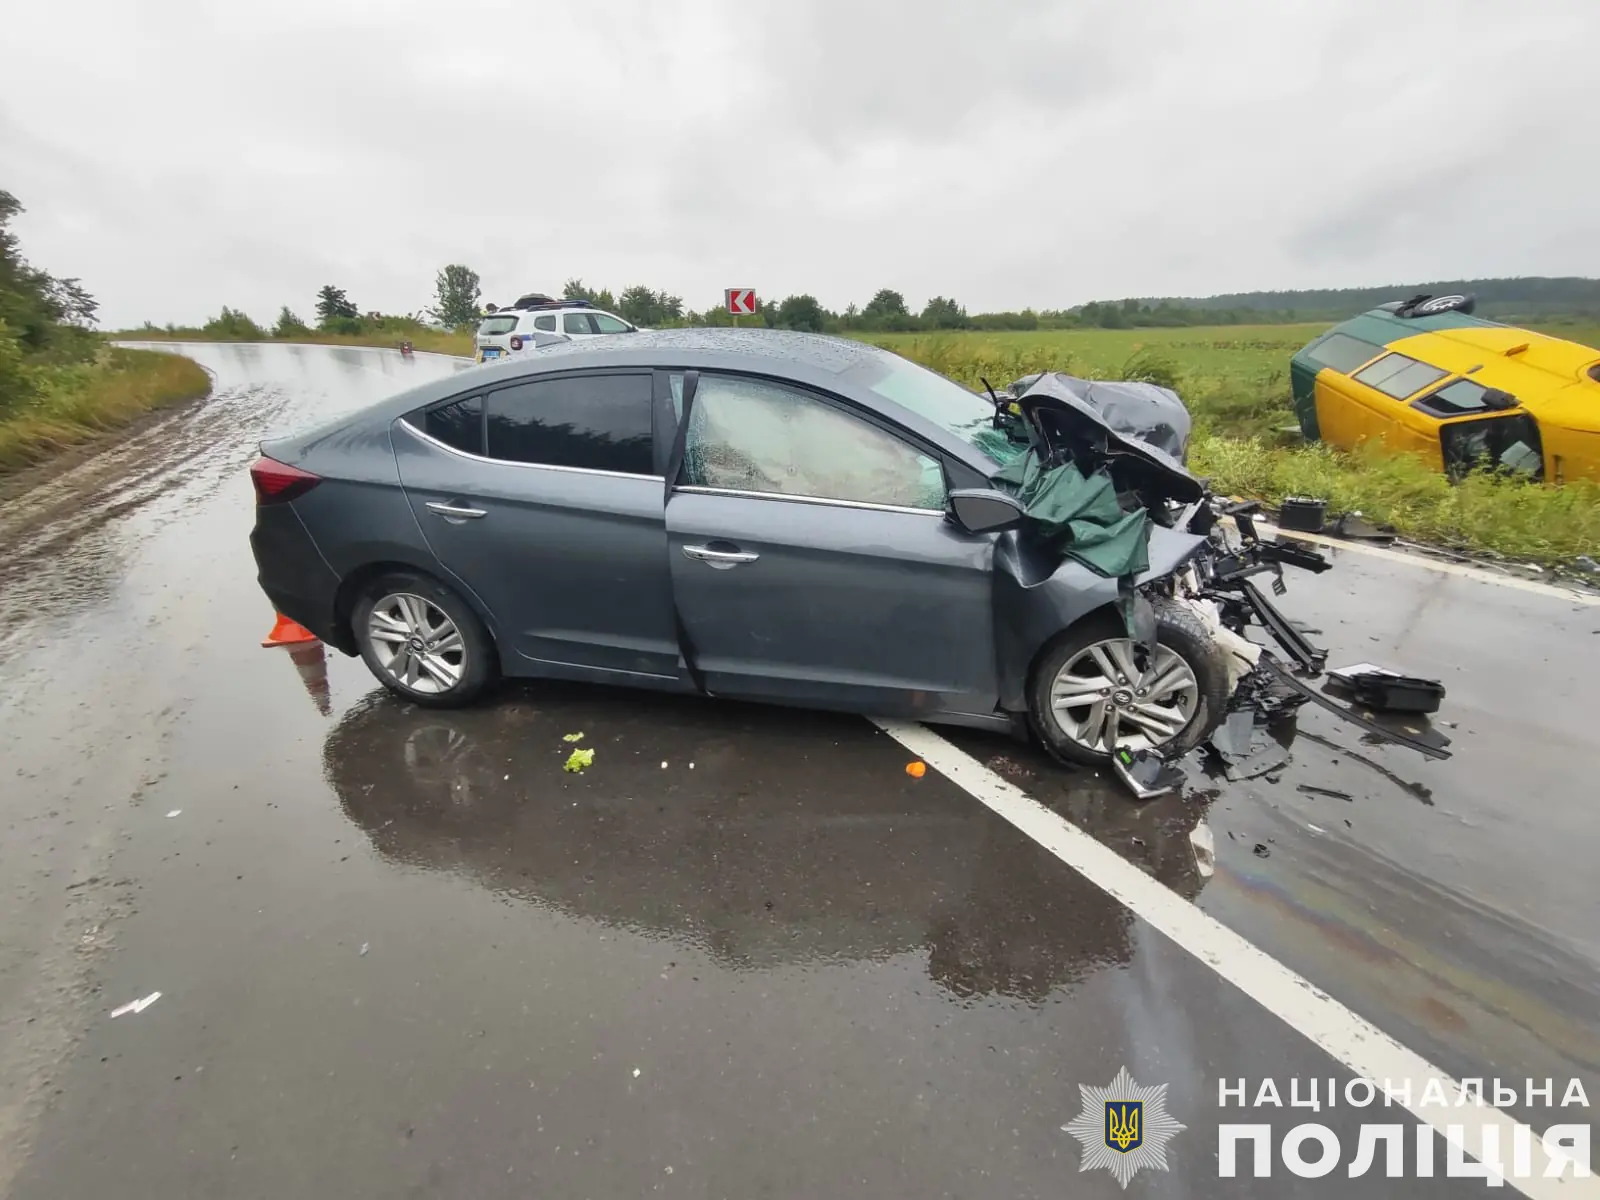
[[423, 641], [1093, 681]]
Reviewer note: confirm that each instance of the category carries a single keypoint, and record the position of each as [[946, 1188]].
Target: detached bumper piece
[[1372, 727], [1388, 691], [1272, 688]]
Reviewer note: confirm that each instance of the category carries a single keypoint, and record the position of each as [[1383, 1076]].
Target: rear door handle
[[719, 558], [450, 510]]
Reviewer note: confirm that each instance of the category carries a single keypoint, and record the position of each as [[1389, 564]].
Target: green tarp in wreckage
[[1079, 516]]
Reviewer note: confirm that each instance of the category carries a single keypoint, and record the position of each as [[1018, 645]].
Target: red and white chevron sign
[[741, 302]]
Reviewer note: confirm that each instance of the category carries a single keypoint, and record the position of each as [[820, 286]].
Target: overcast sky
[[184, 154]]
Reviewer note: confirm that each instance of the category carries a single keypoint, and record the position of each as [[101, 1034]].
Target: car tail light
[[277, 483]]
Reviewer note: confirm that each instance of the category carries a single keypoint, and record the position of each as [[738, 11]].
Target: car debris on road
[[1389, 691], [136, 1006]]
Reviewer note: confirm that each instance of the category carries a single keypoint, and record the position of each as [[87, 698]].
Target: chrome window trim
[[697, 490], [507, 462]]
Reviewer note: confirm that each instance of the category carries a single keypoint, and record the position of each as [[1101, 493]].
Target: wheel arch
[[1106, 613]]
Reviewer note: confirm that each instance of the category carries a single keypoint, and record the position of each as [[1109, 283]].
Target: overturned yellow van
[[1426, 376]]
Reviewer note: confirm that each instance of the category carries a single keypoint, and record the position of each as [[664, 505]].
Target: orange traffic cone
[[288, 633], [312, 663]]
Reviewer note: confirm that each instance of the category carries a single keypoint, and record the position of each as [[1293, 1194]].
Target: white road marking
[[1347, 1037], [1481, 574]]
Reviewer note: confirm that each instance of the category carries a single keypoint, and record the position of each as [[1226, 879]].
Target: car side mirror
[[983, 510]]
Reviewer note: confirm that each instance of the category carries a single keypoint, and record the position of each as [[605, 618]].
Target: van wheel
[[1093, 682], [1435, 305], [423, 641]]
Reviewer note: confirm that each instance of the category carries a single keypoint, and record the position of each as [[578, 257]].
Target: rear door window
[[1398, 376], [1342, 352], [546, 322], [590, 422], [458, 425], [748, 435], [576, 323]]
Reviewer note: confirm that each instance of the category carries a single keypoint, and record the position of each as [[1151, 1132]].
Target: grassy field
[[1235, 380], [1253, 352], [64, 406]]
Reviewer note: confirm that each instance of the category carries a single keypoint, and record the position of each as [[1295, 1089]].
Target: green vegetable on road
[[578, 760]]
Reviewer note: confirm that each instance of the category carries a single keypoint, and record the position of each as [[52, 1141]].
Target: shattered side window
[[749, 435]]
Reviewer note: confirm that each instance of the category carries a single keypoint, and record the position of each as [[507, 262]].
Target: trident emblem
[[1124, 1125]]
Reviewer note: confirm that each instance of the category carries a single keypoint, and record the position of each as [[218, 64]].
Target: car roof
[[839, 365]]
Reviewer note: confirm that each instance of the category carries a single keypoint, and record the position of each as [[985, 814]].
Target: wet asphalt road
[[401, 953]]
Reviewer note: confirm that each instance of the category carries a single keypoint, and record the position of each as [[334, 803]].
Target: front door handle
[[450, 510], [721, 559]]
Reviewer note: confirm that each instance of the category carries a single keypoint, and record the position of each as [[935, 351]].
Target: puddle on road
[[794, 837]]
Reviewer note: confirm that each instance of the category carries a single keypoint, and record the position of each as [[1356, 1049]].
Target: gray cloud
[[182, 155]]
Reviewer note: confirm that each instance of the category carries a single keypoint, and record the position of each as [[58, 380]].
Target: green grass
[[1234, 351], [1519, 520], [69, 405], [1235, 378]]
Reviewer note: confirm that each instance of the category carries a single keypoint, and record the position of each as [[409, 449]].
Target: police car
[[536, 320]]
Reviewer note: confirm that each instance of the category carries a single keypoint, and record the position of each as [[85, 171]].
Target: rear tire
[[1437, 305], [423, 641], [1090, 677]]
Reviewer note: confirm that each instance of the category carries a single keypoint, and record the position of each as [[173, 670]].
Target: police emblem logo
[[1124, 1128]]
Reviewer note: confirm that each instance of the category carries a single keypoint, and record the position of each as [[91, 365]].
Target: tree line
[[458, 304]]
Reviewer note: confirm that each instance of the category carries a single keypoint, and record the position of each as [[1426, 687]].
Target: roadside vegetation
[[59, 384], [1227, 356]]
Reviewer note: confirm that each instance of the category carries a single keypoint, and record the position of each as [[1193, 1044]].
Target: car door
[[812, 563], [577, 325], [543, 497]]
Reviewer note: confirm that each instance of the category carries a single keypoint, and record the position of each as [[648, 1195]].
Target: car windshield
[[496, 325], [948, 405]]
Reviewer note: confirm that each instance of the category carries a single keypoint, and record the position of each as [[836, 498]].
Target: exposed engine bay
[[1081, 434]]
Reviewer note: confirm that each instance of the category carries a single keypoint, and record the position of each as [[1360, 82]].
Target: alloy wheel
[[416, 643], [1109, 695]]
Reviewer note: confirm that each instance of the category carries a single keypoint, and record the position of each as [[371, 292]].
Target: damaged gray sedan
[[767, 516]]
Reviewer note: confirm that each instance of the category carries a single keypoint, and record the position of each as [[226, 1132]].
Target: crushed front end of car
[[1105, 488]]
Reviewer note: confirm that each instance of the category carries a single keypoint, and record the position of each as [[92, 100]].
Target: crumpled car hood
[[1144, 426], [1146, 411]]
